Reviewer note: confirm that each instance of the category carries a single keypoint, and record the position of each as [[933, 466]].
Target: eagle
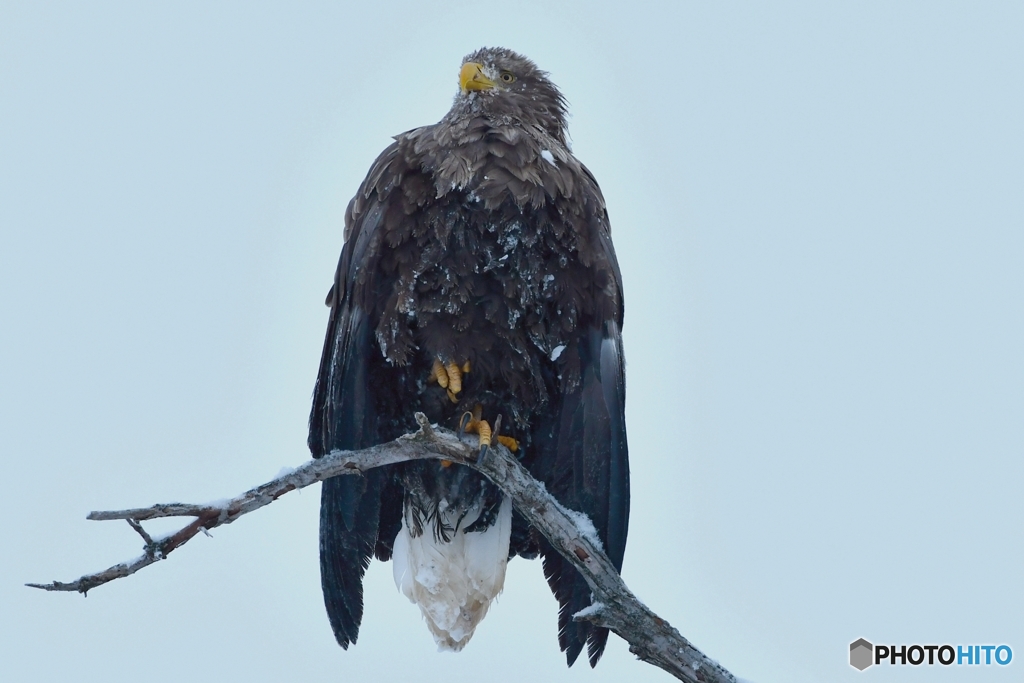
[[478, 285]]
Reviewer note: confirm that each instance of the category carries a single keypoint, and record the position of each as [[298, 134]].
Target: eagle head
[[499, 83]]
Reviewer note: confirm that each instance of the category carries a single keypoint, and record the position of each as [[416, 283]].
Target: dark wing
[[583, 458], [344, 417]]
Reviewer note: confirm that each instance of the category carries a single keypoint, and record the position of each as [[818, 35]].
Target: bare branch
[[650, 637], [133, 523]]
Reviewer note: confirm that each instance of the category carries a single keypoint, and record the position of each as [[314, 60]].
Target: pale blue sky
[[818, 210]]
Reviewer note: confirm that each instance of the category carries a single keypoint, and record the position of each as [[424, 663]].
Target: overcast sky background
[[818, 211]]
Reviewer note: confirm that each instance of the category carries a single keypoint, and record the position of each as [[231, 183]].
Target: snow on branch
[[650, 637]]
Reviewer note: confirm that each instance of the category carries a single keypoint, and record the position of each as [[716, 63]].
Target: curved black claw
[[484, 449], [464, 422]]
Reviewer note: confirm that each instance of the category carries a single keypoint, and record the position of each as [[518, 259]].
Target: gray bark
[[650, 637]]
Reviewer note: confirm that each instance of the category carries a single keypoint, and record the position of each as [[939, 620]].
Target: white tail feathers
[[454, 583]]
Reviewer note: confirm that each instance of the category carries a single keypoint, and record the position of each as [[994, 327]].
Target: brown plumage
[[482, 239]]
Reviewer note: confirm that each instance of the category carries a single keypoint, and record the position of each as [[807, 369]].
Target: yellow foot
[[509, 443], [449, 377], [471, 423]]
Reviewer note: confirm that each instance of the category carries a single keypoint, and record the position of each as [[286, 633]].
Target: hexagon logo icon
[[861, 654]]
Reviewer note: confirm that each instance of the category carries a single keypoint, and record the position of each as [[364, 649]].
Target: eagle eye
[[507, 77]]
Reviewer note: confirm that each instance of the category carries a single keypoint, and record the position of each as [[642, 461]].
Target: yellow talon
[[509, 443], [454, 378], [439, 374], [484, 430], [470, 420], [449, 376], [471, 423]]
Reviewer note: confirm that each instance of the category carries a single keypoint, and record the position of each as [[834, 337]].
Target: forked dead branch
[[650, 637]]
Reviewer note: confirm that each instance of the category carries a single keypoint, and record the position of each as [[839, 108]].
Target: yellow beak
[[472, 78]]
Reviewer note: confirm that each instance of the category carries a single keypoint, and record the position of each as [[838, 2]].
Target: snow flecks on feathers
[[509, 237], [479, 239], [522, 271]]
